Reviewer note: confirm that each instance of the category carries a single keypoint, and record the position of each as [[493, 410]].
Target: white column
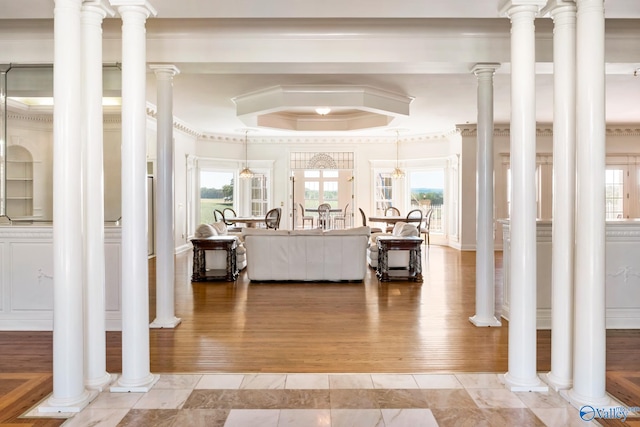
[[522, 373], [96, 376], [485, 259], [165, 240], [589, 332], [69, 393], [136, 375], [563, 13]]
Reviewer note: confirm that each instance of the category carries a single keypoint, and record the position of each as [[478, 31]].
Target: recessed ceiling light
[[323, 111]]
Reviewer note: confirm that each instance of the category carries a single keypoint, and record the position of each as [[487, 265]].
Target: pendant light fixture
[[397, 172], [246, 173]]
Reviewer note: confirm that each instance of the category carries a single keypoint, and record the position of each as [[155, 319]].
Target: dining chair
[[305, 218], [426, 225], [391, 211], [324, 216], [217, 215], [364, 222], [272, 218], [341, 218], [279, 216], [416, 214], [227, 216]]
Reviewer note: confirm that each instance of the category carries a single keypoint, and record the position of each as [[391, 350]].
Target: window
[[320, 186], [539, 192], [259, 199], [427, 192], [383, 187], [216, 192], [615, 193], [330, 187]]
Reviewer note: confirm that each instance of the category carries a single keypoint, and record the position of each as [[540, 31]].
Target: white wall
[[369, 154], [621, 141]]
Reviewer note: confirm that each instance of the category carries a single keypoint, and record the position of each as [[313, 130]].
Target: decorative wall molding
[[112, 117], [325, 160], [622, 308], [330, 139], [622, 130], [179, 125], [37, 233], [471, 130]]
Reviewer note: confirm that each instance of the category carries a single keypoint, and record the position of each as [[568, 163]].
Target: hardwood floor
[[370, 327]]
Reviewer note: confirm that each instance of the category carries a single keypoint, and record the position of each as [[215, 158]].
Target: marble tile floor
[[336, 400]]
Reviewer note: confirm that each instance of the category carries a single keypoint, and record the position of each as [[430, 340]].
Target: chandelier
[[397, 172], [246, 172]]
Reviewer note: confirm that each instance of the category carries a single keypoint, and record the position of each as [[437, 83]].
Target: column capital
[[554, 7], [144, 4], [485, 67], [101, 6], [168, 70], [504, 6]]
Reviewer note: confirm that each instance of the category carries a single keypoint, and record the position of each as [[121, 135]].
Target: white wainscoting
[[622, 274], [26, 278]]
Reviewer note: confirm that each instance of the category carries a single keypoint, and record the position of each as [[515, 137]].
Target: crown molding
[[471, 130], [329, 139], [179, 125]]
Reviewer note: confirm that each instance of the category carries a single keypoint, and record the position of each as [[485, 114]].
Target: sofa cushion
[[405, 229], [250, 231], [372, 252], [205, 230], [356, 231], [240, 250], [374, 237], [220, 227], [307, 232]]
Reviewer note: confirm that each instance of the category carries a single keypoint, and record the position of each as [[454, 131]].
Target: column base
[[99, 384], [556, 382], [484, 322], [142, 386], [55, 405], [584, 403], [165, 323], [514, 384]]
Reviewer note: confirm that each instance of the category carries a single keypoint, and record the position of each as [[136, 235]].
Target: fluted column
[[589, 332], [563, 13], [136, 375], [165, 240], [96, 376], [485, 259], [522, 373], [69, 393]]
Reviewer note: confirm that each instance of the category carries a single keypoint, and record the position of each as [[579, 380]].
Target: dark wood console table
[[217, 243], [392, 243]]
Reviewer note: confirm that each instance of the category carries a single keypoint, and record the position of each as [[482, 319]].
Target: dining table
[[332, 210], [249, 221], [393, 219]]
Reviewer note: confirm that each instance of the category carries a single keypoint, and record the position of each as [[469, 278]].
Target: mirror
[[26, 143]]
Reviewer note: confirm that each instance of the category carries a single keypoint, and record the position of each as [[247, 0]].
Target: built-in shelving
[[19, 183]]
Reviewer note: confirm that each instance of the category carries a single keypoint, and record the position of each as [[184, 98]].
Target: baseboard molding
[[616, 318], [183, 248]]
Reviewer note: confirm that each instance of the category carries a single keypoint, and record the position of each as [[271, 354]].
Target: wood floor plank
[[368, 327]]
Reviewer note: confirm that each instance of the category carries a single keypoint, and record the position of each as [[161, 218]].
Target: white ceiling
[[423, 49]]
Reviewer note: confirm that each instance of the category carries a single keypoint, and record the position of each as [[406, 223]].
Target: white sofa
[[396, 258], [306, 255], [218, 259]]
